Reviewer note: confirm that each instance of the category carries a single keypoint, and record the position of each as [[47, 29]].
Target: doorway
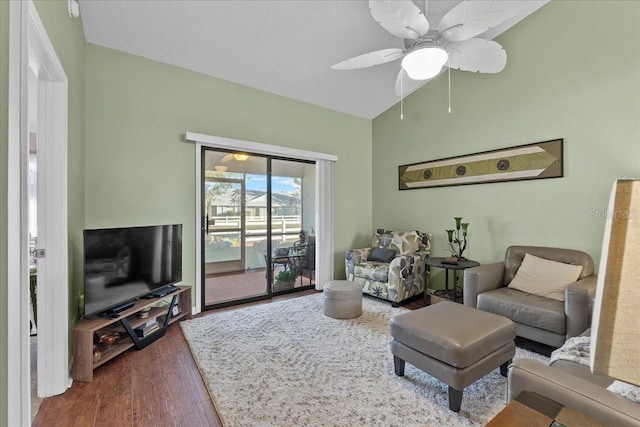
[[31, 49], [257, 226], [32, 208], [323, 203]]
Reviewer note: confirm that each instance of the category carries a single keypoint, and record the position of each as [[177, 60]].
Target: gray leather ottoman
[[342, 299], [456, 344]]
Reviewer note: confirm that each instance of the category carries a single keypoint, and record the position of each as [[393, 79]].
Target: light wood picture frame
[[523, 162]]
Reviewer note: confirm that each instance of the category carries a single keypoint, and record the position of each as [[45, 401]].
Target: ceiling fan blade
[[401, 18], [227, 158], [470, 18], [477, 55], [369, 59], [408, 84]]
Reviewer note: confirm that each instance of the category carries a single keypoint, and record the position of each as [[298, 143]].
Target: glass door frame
[[240, 263], [204, 229], [324, 196]]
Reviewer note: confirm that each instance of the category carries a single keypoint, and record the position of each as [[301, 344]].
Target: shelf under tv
[[128, 320]]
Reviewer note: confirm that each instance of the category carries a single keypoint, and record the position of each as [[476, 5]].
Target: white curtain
[[324, 221]]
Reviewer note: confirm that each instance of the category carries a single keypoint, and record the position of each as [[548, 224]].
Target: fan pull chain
[[449, 66], [401, 97]]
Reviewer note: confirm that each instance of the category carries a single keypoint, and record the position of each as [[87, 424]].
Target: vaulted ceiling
[[281, 46]]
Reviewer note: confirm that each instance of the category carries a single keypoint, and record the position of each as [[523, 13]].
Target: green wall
[[4, 87], [140, 170], [566, 77]]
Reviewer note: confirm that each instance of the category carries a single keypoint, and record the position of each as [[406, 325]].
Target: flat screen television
[[123, 264]]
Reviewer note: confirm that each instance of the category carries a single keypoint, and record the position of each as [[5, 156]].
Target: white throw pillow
[[629, 391], [544, 277]]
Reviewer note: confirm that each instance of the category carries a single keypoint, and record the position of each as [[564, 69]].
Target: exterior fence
[[256, 226], [223, 242]]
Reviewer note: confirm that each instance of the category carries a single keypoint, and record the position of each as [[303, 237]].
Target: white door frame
[[29, 46], [323, 194]]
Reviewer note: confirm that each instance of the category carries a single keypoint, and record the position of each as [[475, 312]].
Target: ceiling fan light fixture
[[241, 157], [425, 63]]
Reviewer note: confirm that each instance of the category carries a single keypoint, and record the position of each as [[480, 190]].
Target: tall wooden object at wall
[[531, 161]]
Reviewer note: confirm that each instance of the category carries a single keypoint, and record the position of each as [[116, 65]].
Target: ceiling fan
[[240, 157], [235, 160], [451, 43]]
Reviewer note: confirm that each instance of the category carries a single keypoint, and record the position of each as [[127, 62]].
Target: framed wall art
[[531, 161]]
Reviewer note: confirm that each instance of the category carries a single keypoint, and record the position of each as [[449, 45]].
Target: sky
[[278, 183]]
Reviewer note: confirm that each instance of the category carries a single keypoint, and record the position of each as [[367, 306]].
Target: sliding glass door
[[258, 218], [293, 217]]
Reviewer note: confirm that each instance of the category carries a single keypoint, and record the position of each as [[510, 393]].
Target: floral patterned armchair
[[400, 278]]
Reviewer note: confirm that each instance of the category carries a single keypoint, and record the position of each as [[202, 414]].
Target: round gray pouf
[[342, 299]]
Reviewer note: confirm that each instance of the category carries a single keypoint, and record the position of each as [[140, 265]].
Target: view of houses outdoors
[[226, 226]]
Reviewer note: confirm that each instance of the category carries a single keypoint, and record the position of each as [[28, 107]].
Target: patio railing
[[256, 226]]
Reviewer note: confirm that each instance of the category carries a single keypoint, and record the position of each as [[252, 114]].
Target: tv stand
[[87, 332]]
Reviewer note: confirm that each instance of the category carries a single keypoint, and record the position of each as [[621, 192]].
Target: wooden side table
[[447, 293], [533, 410], [528, 409]]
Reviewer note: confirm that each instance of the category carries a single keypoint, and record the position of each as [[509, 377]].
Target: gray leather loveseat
[[572, 384], [545, 320]]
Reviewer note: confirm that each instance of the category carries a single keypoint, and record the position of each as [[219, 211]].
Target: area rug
[[286, 364]]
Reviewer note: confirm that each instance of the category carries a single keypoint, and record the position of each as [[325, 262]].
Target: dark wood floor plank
[[114, 405], [149, 387], [184, 383], [79, 404], [187, 368]]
